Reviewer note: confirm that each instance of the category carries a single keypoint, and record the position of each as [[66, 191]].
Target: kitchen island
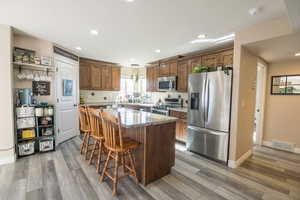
[[155, 155]]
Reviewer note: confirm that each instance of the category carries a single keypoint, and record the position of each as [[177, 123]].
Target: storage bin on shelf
[[26, 148], [28, 133], [46, 144], [28, 122]]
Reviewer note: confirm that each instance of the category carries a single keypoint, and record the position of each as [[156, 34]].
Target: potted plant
[[199, 69]]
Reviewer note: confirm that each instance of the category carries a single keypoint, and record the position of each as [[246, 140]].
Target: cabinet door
[[149, 77], [210, 60], [227, 58], [182, 76], [116, 78], [173, 68], [194, 63], [155, 76], [84, 77], [106, 78], [96, 77], [164, 69]]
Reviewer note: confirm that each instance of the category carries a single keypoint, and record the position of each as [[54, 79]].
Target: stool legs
[[132, 166], [119, 158]]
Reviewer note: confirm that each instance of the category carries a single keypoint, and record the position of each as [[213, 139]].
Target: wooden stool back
[[84, 119], [112, 131], [96, 123]]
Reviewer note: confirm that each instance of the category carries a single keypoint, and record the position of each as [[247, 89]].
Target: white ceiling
[[133, 30], [277, 49]]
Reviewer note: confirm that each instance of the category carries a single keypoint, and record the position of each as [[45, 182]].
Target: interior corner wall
[[282, 113], [7, 152], [243, 82]]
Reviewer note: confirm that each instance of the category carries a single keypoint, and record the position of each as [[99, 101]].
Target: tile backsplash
[[155, 96], [91, 96]]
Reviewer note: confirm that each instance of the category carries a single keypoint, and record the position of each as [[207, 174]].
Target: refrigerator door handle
[[206, 101]]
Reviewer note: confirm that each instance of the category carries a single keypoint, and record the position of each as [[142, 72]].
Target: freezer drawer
[[212, 144]]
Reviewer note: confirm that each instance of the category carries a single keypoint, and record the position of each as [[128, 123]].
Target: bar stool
[[85, 129], [118, 148], [97, 135]]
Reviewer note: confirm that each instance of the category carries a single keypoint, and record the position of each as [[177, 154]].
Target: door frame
[[57, 57], [260, 122]]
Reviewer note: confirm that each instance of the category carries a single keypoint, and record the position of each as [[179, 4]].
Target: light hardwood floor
[[63, 174]]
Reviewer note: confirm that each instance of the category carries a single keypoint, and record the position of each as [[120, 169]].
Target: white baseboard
[[235, 164], [8, 160], [269, 144]]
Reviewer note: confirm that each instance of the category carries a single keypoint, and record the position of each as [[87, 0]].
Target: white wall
[[7, 153]]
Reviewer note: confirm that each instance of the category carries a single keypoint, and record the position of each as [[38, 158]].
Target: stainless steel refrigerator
[[209, 114]]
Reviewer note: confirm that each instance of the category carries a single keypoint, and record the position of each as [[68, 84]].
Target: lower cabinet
[[181, 125]]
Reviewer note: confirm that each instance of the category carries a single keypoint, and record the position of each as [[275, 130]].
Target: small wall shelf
[[35, 67]]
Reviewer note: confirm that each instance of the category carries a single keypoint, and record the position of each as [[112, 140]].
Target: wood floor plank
[[51, 186], [35, 194], [64, 175], [34, 180]]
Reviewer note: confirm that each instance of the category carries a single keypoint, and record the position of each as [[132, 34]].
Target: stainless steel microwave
[[167, 83]]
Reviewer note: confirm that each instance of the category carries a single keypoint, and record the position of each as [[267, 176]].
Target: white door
[[67, 98], [260, 100]]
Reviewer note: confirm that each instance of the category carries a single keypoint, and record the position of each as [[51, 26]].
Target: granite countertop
[[139, 104], [97, 103], [133, 118], [183, 109]]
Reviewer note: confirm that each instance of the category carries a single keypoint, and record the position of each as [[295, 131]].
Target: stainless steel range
[[164, 108]]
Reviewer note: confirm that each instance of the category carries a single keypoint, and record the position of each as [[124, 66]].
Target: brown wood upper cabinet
[[210, 60], [95, 77], [173, 68], [106, 78], [98, 75], [84, 76], [116, 78], [152, 75], [226, 58], [194, 62], [182, 76], [164, 69]]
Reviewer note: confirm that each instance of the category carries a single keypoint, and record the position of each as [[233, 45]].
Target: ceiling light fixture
[[297, 54], [217, 40], [157, 51], [201, 36], [253, 11], [201, 41], [78, 48], [129, 1], [94, 32]]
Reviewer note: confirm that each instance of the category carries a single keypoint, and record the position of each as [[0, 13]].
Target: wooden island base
[[155, 156]]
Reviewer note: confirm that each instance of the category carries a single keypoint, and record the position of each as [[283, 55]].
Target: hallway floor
[[63, 174]]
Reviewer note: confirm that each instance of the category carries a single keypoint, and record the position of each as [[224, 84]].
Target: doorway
[[259, 105], [67, 98]]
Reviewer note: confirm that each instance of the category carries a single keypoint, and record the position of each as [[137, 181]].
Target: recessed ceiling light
[[78, 48], [297, 54], [157, 50], [94, 32], [129, 0], [201, 36], [253, 11]]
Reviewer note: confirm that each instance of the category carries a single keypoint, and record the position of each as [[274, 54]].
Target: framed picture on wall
[[67, 87], [285, 85]]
